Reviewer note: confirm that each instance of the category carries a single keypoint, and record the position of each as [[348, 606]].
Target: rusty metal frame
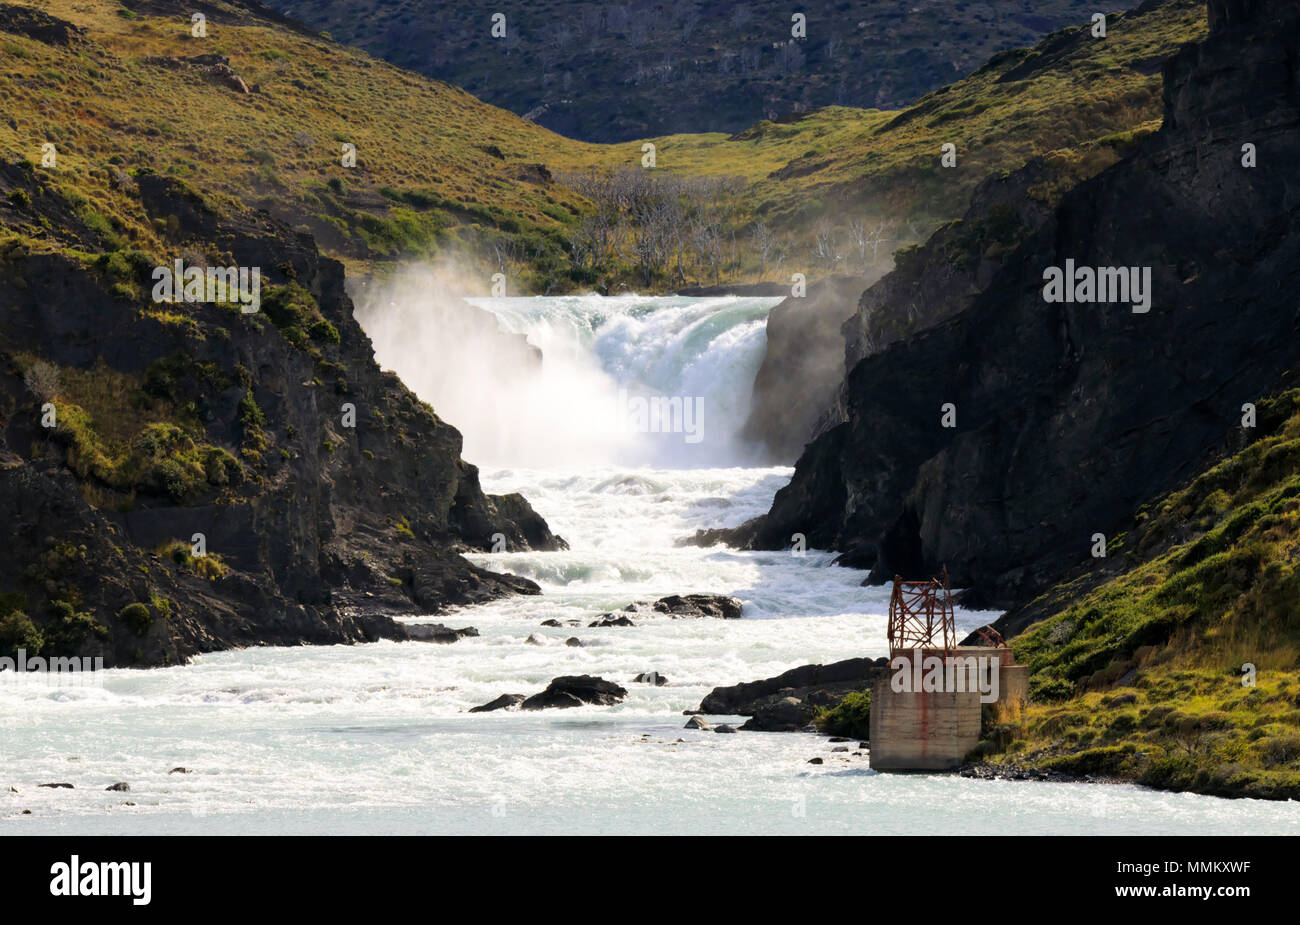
[[991, 636], [921, 615]]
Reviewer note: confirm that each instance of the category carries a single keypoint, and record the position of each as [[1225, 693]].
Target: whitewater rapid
[[377, 738]]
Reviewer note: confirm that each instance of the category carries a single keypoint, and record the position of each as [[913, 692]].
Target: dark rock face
[[698, 67], [575, 691], [788, 702], [959, 261], [1071, 415], [38, 25], [504, 702], [803, 366], [323, 527]]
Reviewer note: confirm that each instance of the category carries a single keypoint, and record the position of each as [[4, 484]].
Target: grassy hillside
[[1081, 97], [1137, 671], [439, 172], [435, 168]]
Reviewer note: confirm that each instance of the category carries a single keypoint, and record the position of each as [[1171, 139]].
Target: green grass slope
[[1137, 669], [439, 173]]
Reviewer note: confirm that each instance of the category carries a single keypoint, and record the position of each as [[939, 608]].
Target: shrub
[[324, 331], [69, 629], [210, 566], [17, 631], [137, 618], [850, 717]]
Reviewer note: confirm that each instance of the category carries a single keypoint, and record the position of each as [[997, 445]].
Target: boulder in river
[[120, 787], [720, 606], [677, 606], [697, 722], [788, 714], [650, 677], [814, 685], [58, 786], [575, 691], [609, 619], [504, 702], [436, 632]]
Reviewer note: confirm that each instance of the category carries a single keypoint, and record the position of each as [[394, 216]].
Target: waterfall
[[625, 380]]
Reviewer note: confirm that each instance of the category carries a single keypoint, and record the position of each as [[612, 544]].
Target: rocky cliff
[[1002, 438], [803, 366], [181, 477], [615, 72]]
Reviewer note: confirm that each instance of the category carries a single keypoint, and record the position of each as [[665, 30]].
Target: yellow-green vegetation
[[435, 168], [438, 172], [1080, 100], [124, 438], [851, 717], [137, 618], [17, 631], [1181, 671], [209, 565], [60, 636]]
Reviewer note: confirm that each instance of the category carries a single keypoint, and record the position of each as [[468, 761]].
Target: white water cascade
[[606, 364]]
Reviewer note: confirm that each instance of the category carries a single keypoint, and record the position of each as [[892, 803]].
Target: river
[[376, 738]]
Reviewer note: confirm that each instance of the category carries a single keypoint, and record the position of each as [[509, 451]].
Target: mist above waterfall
[[628, 380]]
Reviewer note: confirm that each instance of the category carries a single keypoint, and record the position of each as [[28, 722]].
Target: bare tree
[[823, 246], [876, 238], [43, 380], [858, 235], [780, 251], [763, 243]]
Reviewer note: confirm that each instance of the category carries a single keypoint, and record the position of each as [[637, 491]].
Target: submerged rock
[[677, 606], [650, 677], [575, 691], [120, 787], [720, 606], [697, 722], [436, 632], [58, 786], [504, 702], [609, 619]]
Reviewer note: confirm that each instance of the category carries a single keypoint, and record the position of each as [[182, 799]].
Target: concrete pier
[[933, 726]]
